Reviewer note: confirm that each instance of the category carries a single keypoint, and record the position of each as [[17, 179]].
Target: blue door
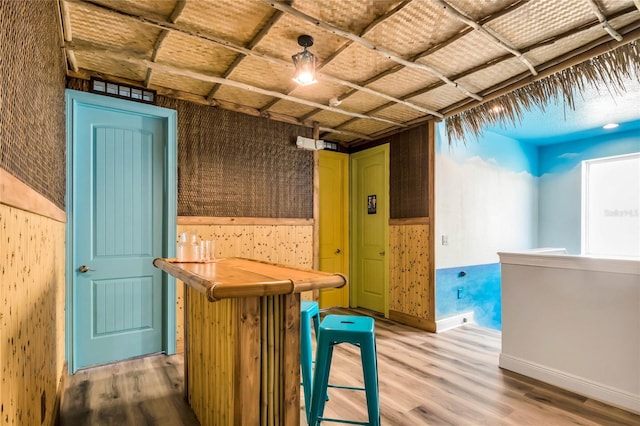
[[118, 170]]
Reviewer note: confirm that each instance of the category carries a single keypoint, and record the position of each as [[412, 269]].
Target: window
[[611, 206]]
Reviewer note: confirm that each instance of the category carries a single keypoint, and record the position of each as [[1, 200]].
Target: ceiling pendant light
[[305, 62]]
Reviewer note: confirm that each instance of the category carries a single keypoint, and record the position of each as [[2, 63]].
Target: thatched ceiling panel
[[399, 113], [157, 8], [91, 60], [546, 53], [110, 29], [362, 102], [404, 36], [406, 80], [352, 16], [337, 137], [235, 20], [367, 127], [271, 76], [488, 77], [439, 97], [242, 97], [292, 109], [552, 18], [467, 52], [332, 90], [330, 119], [320, 92], [358, 64], [108, 37], [185, 51], [480, 9], [282, 40], [183, 84]]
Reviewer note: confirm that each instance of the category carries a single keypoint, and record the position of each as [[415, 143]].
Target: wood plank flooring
[[450, 378], [453, 378], [142, 391]]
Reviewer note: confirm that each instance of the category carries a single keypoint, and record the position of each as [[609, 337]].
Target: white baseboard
[[454, 321], [580, 385]]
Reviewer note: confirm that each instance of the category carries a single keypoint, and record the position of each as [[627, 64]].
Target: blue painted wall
[[496, 194], [560, 185], [480, 293]]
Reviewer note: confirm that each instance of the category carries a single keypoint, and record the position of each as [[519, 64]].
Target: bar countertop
[[239, 277]]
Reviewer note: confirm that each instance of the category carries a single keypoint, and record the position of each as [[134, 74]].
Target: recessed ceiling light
[[610, 126]]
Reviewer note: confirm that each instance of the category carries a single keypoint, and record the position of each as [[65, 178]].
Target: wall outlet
[[445, 240], [460, 293]]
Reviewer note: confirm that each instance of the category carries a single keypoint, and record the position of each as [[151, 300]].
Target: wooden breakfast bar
[[242, 352]]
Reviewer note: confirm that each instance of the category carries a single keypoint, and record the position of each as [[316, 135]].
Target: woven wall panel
[[32, 82], [408, 174], [235, 165]]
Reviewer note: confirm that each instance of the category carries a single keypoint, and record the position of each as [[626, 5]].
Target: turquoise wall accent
[[479, 292]]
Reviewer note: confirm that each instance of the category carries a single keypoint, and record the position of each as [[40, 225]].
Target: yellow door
[[369, 229], [334, 221]]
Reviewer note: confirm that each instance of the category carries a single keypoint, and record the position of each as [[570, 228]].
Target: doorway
[[334, 224], [121, 199], [370, 229]]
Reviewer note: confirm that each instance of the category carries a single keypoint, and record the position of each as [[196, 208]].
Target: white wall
[[486, 199], [574, 322]]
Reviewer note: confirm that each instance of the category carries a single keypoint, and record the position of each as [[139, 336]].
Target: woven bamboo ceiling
[[383, 65]]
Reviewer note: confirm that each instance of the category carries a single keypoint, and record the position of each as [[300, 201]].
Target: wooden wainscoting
[[284, 241], [32, 299], [410, 273]]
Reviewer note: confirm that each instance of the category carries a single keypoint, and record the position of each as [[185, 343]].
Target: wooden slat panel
[[248, 361], [244, 361], [409, 283], [32, 298], [213, 344]]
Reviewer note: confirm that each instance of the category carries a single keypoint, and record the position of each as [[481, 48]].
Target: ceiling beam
[[551, 40], [345, 132], [275, 17], [173, 17], [67, 34], [370, 46], [165, 25], [603, 20], [485, 20], [132, 58], [492, 35], [201, 100]]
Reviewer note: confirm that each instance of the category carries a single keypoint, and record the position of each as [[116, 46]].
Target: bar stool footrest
[[349, 422], [346, 387]]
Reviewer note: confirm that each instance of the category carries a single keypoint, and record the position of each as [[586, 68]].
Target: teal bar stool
[[359, 331], [308, 311]]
